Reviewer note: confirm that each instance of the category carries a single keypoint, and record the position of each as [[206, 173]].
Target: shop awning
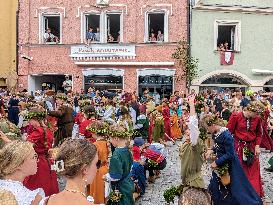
[[163, 72], [123, 63], [98, 71]]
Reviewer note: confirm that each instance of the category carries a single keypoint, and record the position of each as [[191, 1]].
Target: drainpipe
[[189, 8], [17, 36]]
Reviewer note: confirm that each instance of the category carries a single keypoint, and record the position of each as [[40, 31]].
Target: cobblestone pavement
[[171, 177]]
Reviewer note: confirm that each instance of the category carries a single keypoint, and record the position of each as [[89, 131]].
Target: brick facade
[[55, 58]]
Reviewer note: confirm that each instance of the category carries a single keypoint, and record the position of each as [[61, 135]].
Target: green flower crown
[[84, 103], [212, 121], [118, 134], [252, 108], [62, 97], [39, 115], [104, 130]]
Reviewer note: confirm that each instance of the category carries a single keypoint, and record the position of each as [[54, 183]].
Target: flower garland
[[114, 197], [152, 163], [172, 192], [203, 133], [199, 103], [222, 170]]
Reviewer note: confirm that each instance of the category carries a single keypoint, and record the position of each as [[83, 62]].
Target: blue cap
[[138, 141]]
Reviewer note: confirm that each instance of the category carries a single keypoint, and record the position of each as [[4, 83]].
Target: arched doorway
[[223, 81]]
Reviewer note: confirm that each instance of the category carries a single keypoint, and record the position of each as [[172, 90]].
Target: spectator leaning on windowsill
[[49, 37], [90, 36]]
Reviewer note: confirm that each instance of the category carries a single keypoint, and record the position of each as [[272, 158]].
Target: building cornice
[[233, 8]]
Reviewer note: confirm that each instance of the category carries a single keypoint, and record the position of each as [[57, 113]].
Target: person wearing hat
[[138, 174], [64, 114], [67, 84]]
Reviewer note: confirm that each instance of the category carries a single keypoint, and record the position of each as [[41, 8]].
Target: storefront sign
[[103, 51]]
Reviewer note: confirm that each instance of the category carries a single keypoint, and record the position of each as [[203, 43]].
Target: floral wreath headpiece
[[212, 120], [98, 129], [252, 108], [62, 97], [39, 115]]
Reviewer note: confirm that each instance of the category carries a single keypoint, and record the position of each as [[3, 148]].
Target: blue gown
[[239, 191], [138, 173]]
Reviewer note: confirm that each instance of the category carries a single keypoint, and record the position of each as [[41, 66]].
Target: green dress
[[191, 164], [120, 167]]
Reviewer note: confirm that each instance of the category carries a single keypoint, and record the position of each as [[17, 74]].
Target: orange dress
[[175, 129], [97, 188]]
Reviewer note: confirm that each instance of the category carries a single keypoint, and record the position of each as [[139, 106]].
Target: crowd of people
[[106, 148]]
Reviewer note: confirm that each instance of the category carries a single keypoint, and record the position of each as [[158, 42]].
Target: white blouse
[[23, 195]]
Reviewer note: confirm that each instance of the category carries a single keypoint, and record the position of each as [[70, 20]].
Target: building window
[[104, 28], [227, 36], [103, 82], [156, 27], [92, 28], [113, 28], [51, 29]]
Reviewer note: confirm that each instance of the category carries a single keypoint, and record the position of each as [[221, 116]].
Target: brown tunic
[[65, 123]]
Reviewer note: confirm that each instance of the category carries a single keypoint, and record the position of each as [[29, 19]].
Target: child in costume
[[120, 166], [175, 128], [89, 118], [138, 174], [99, 130]]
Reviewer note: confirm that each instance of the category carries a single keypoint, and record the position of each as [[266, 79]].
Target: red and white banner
[[227, 58]]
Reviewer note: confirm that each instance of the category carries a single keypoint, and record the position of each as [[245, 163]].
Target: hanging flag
[[226, 58]]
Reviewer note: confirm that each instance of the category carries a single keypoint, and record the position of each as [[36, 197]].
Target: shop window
[[51, 28], [92, 28], [227, 36], [113, 28], [156, 27]]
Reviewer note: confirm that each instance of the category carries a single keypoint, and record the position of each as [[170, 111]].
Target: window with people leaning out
[[51, 27], [226, 38], [156, 27], [109, 32]]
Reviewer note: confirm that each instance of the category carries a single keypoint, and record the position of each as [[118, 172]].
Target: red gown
[[167, 122], [237, 125], [83, 131], [267, 142], [79, 118], [44, 178]]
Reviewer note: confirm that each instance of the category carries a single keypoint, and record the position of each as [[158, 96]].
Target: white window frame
[[83, 25], [166, 25], [121, 25], [237, 39], [103, 24], [42, 28]]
